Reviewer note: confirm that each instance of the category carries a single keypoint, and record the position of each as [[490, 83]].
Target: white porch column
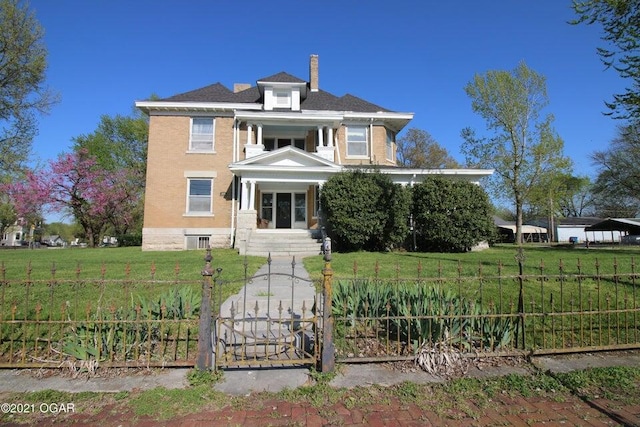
[[249, 134], [320, 136], [244, 198], [251, 148], [252, 195], [322, 150]]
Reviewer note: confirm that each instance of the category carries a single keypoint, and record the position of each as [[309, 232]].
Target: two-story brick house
[[225, 167]]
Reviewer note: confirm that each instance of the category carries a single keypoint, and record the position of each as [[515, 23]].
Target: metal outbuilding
[[623, 227]]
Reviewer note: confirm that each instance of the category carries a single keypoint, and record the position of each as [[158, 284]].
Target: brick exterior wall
[[165, 222], [379, 155], [169, 163]]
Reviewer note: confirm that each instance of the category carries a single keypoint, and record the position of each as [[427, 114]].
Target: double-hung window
[[202, 134], [357, 145], [389, 147], [199, 199]]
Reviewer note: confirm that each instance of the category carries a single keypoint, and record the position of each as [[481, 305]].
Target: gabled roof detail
[[281, 77], [288, 157], [218, 97]]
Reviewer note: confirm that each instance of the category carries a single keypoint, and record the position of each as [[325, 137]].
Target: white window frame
[[202, 143], [364, 142], [282, 98], [190, 212], [389, 145]]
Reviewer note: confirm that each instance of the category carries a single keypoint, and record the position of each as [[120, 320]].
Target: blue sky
[[402, 55]]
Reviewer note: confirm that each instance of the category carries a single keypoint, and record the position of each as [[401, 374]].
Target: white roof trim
[[280, 84], [321, 116], [281, 157], [403, 171], [195, 106], [378, 115]]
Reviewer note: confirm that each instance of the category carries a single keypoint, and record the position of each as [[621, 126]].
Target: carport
[[530, 233], [623, 227]]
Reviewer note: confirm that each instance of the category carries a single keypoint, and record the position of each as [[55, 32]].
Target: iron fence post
[[520, 329], [328, 348], [205, 346]]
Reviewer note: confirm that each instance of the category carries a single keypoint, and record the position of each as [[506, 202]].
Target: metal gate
[[272, 321]]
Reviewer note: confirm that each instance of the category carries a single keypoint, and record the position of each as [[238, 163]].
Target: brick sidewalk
[[505, 411], [560, 410]]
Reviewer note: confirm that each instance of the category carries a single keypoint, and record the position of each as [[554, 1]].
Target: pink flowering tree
[[75, 184]]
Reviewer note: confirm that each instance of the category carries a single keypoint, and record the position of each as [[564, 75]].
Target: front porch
[[280, 193]]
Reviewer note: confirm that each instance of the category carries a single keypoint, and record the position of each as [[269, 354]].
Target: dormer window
[[282, 99], [284, 96]]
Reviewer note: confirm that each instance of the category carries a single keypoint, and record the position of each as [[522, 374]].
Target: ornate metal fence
[[566, 310], [80, 322]]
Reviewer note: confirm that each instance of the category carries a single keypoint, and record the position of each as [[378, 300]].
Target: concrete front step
[[283, 243]]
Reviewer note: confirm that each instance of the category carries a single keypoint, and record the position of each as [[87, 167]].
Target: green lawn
[[127, 303], [573, 297], [408, 264], [76, 281], [168, 265]]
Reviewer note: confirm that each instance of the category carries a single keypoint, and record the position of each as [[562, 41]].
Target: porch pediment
[[287, 158]]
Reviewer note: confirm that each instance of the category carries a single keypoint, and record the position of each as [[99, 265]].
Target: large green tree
[[418, 149], [522, 148], [617, 186], [620, 21], [23, 94], [120, 144]]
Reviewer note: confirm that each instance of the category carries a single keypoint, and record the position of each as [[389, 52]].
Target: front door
[[283, 215]]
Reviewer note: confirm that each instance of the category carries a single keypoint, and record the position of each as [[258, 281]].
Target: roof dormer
[[282, 92]]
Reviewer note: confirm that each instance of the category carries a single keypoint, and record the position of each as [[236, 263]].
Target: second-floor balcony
[[311, 133]]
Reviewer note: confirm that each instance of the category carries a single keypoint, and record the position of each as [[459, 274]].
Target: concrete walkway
[[271, 319], [247, 381], [272, 289]]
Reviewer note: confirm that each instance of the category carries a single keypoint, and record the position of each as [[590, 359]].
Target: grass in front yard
[[411, 265], [53, 298], [573, 296], [108, 277], [121, 263]]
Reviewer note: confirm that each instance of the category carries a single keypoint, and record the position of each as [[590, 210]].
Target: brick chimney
[[313, 73], [239, 87]]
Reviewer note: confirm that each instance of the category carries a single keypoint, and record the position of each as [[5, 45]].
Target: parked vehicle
[[630, 240]]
